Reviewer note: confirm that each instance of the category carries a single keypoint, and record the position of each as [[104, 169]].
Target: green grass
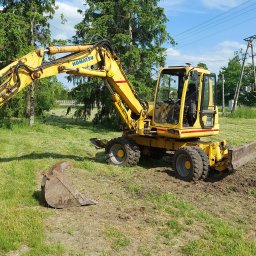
[[218, 238], [119, 240], [171, 228], [253, 192], [243, 112], [236, 131], [26, 152]]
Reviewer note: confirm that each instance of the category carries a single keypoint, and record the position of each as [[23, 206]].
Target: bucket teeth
[[58, 193]]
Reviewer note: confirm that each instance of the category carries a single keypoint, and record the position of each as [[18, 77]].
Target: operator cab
[[185, 98], [168, 98]]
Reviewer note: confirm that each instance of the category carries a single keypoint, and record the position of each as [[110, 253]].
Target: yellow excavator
[[183, 111]]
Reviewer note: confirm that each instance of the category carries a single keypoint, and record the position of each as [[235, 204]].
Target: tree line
[[136, 29]]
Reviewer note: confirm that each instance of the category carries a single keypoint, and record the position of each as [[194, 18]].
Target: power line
[[213, 34], [249, 41], [210, 20], [213, 25]]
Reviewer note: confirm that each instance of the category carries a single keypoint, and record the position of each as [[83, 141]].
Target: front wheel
[[122, 151], [188, 164], [205, 161]]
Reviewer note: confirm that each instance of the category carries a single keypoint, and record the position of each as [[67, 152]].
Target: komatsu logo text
[[81, 61]]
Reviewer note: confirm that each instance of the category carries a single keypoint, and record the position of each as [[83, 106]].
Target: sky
[[207, 31]]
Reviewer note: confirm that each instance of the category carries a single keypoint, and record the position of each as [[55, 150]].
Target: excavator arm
[[90, 60]]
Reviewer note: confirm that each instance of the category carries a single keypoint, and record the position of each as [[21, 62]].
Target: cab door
[[168, 97], [208, 104]]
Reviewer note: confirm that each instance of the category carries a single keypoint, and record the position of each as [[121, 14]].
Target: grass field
[[164, 221]]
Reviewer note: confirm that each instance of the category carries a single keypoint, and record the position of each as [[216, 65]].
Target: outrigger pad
[[57, 192]]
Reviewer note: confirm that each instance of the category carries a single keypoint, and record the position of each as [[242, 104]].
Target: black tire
[[205, 160], [122, 151], [190, 157]]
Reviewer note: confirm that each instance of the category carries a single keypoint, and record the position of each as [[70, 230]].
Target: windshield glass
[[168, 97]]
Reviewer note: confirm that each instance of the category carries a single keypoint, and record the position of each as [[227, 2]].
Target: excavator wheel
[[122, 151], [188, 164], [205, 160]]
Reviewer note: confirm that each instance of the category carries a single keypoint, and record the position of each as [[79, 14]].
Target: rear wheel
[[122, 151], [188, 164]]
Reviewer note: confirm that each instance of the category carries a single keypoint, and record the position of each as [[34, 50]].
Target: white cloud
[[220, 4], [60, 37], [69, 10], [178, 6], [168, 3], [214, 59], [173, 52], [230, 44]]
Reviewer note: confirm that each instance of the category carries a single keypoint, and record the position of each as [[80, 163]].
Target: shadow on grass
[[99, 157], [37, 195], [148, 162], [42, 156], [214, 176], [69, 123]]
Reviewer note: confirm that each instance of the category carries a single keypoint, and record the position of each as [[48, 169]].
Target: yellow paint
[[86, 60], [120, 153], [187, 165]]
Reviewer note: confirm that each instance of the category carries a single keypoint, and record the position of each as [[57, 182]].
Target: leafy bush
[[244, 112]]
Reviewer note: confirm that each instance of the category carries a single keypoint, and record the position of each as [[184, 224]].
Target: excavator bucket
[[58, 193], [241, 155]]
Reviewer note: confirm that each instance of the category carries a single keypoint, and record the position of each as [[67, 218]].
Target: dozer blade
[[58, 193], [241, 155], [98, 143]]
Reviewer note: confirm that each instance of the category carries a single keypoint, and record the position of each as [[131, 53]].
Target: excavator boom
[[81, 61]]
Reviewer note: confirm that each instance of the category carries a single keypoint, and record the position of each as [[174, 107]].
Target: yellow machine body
[[183, 110]]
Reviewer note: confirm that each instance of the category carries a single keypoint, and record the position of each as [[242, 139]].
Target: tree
[[203, 65], [36, 15], [13, 37], [136, 29], [46, 97], [247, 95], [13, 43], [232, 74]]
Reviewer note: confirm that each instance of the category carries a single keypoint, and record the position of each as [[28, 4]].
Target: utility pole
[[249, 41], [31, 99], [223, 94], [254, 72]]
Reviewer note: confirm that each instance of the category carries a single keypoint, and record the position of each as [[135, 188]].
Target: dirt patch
[[125, 223], [226, 195], [85, 230]]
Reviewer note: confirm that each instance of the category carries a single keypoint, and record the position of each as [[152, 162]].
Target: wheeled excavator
[[184, 109]]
